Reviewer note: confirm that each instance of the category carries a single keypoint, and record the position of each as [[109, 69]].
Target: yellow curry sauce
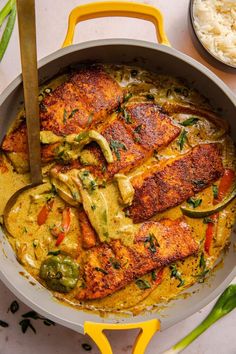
[[32, 242]]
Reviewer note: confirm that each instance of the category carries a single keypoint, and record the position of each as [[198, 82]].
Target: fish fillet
[[109, 267], [178, 180]]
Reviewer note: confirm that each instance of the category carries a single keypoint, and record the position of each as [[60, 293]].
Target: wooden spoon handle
[[27, 33]]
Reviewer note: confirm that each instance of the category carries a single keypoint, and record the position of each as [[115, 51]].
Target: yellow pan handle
[[116, 8], [148, 329]]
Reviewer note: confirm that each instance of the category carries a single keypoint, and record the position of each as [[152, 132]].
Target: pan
[[160, 58]]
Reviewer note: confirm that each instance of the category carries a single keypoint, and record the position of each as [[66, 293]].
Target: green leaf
[[64, 116], [143, 284], [126, 116], [208, 220], [150, 97], [182, 139], [194, 202], [202, 262], [115, 146], [101, 270], [176, 274], [128, 96], [114, 262], [190, 121], [73, 113], [215, 191], [54, 253]]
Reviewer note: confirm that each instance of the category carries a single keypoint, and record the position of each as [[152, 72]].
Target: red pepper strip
[[44, 212], [210, 232], [65, 225], [224, 186], [159, 277]]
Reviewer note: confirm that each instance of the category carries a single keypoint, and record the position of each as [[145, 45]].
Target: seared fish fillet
[[109, 267], [133, 136], [76, 105], [173, 183]]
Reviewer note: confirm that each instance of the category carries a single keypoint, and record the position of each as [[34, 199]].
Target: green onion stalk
[[225, 304], [8, 10]]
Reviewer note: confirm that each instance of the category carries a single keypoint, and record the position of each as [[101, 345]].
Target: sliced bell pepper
[[44, 212], [225, 184], [224, 197], [65, 225]]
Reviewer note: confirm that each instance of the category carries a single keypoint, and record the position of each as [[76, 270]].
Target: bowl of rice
[[214, 24]]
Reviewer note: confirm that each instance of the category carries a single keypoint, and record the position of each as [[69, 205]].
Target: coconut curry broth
[[34, 237]]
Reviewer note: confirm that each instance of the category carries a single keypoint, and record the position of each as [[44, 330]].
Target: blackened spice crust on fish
[[109, 267], [174, 183]]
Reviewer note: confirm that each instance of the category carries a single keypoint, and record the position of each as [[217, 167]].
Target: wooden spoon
[[27, 34]]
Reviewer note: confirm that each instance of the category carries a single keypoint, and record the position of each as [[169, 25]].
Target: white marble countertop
[[51, 28]]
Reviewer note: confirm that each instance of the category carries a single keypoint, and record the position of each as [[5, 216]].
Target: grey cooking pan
[[160, 58]]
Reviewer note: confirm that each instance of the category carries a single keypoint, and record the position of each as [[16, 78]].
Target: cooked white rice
[[215, 24]]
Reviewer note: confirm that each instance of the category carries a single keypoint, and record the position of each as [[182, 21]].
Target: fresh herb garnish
[[182, 139], [202, 262], [93, 185], [150, 97], [73, 113], [215, 191], [138, 129], [201, 276], [75, 195], [208, 220], [14, 307], [182, 90], [154, 275], [24, 230], [104, 168], [93, 206], [86, 347], [194, 202], [128, 96], [114, 262], [115, 146], [126, 116], [137, 139], [103, 271], [190, 121], [64, 116], [54, 253], [3, 324], [90, 119], [155, 154], [127, 213], [42, 107], [25, 324], [142, 284], [199, 183], [151, 240], [176, 274]]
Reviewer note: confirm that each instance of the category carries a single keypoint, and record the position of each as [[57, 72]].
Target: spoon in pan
[[27, 34]]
